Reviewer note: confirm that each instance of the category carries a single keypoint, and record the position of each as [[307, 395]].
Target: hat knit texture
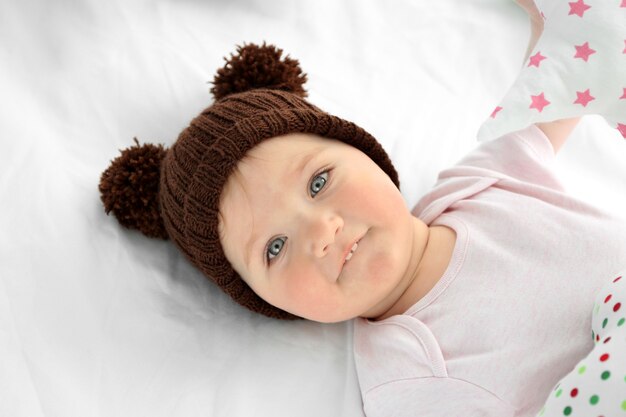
[[176, 192]]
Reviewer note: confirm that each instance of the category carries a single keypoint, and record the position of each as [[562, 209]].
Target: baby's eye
[[318, 182], [274, 248]]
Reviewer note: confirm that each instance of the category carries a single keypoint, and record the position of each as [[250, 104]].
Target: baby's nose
[[324, 234]]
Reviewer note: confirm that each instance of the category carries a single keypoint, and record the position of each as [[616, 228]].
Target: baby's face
[[290, 216]]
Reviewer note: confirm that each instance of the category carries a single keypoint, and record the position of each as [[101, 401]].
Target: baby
[[317, 229], [474, 303]]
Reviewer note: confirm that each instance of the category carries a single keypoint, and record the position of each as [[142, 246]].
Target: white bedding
[[96, 320]]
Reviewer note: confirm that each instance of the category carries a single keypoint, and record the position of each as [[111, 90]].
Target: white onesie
[[511, 315]]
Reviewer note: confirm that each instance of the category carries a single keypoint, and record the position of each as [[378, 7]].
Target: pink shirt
[[512, 313]]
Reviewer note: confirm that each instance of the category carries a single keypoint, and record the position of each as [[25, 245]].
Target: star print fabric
[[577, 67], [597, 384]]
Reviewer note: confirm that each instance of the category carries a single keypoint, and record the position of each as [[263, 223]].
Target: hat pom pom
[[129, 188], [258, 67]]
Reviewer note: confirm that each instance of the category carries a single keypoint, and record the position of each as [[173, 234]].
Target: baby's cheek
[[386, 265], [308, 296], [375, 201]]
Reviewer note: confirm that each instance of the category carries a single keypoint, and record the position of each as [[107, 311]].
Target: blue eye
[[273, 249], [319, 181]]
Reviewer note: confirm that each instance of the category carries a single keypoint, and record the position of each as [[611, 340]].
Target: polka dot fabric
[[597, 384], [577, 67]]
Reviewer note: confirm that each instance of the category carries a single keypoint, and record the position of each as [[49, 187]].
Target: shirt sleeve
[[521, 161], [525, 156], [433, 397]]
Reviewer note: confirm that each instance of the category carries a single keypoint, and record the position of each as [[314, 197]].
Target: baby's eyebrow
[[246, 253], [299, 167]]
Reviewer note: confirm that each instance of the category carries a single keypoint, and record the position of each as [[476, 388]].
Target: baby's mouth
[[354, 248], [351, 253]]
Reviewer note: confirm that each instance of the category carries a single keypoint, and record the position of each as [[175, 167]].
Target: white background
[[96, 320]]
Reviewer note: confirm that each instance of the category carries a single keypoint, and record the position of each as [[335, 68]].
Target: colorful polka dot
[[602, 374]]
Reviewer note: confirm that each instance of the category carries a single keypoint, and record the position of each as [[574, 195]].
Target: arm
[[559, 130]]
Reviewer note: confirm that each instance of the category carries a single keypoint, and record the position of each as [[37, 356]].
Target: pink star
[[538, 102], [623, 3], [498, 108], [583, 51], [584, 98], [537, 58], [624, 51], [622, 129], [623, 97], [579, 8]]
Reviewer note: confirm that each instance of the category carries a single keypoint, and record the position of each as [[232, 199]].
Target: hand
[[536, 22], [531, 8], [556, 131]]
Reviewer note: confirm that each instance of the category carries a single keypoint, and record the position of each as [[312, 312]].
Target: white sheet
[[96, 320]]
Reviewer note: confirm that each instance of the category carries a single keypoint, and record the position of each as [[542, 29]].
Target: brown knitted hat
[[176, 192]]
